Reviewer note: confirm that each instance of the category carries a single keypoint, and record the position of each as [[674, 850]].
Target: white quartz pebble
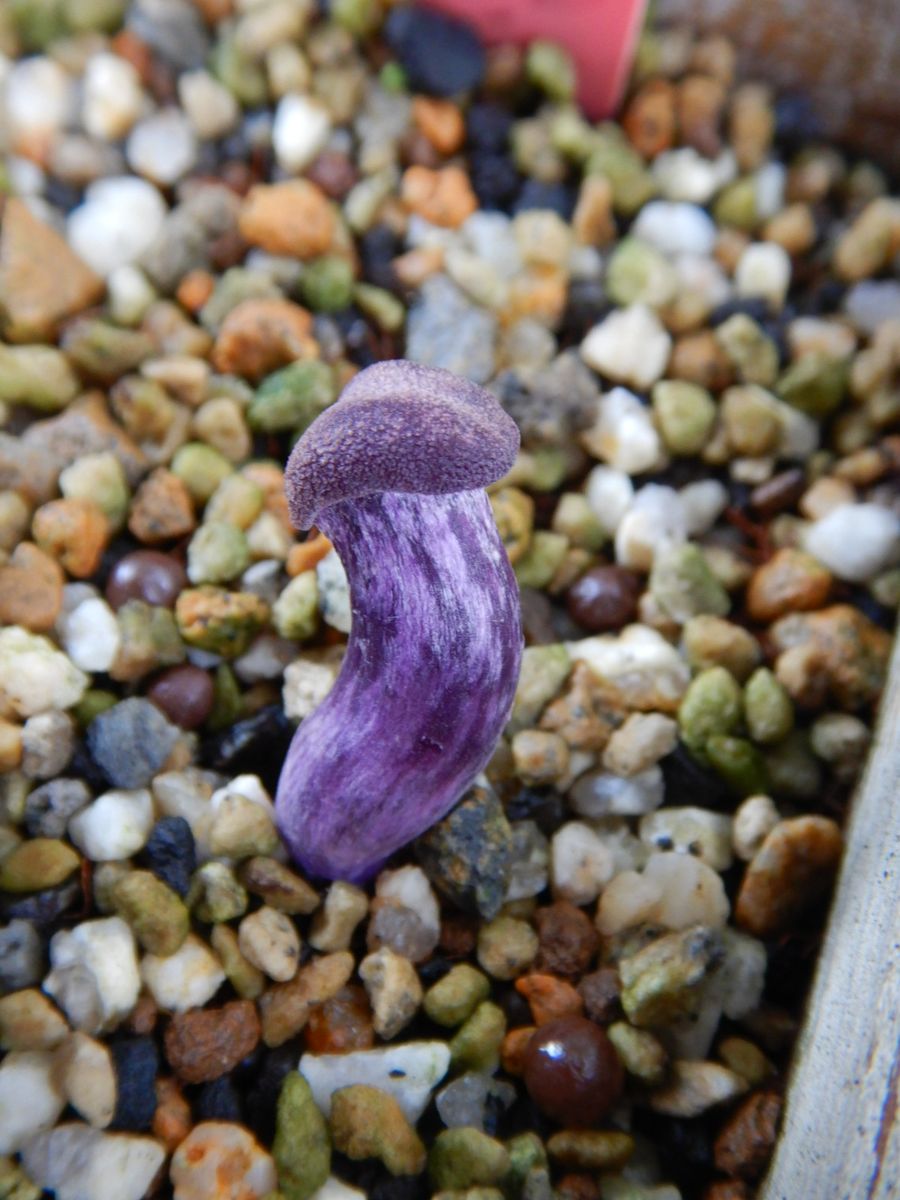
[[409, 886], [602, 794], [91, 635], [116, 825], [676, 227], [855, 541], [162, 147], [630, 346], [76, 1162], [300, 131], [764, 271], [120, 219], [408, 1072], [655, 519], [702, 503], [581, 863], [684, 174], [211, 109], [186, 979], [37, 99], [609, 493], [112, 96], [94, 973], [30, 1097], [624, 435]]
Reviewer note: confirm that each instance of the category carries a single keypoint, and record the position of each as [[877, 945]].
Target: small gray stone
[[465, 1100], [21, 956], [445, 330], [131, 741], [49, 807], [48, 742]]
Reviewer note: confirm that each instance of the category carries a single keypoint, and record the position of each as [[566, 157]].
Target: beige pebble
[[269, 940], [88, 1079], [333, 926], [394, 990]]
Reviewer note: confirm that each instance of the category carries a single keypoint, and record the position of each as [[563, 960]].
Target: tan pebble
[[29, 1021], [751, 124], [220, 423], [649, 119], [269, 940], [260, 335], [42, 280], [285, 1008], [592, 222], [415, 266], [791, 581], [10, 745], [206, 1043], [162, 509], [195, 289], [278, 886], [592, 1149], [696, 1087], [75, 532], [539, 293], [333, 926], [31, 586], [172, 1120], [303, 556], [640, 743], [823, 496], [512, 1051], [507, 947], [754, 820], [700, 101], [220, 1160], [746, 1140], [791, 872], [794, 228], [747, 1059], [441, 121], [698, 358], [393, 988], [442, 196], [88, 1078], [539, 757], [293, 218]]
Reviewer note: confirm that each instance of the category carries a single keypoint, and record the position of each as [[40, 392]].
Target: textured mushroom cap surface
[[400, 427]]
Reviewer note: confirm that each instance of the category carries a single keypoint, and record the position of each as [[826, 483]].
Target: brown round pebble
[[147, 575], [745, 1143], [206, 1043], [341, 1024], [568, 940], [604, 598], [600, 992], [185, 694], [572, 1071]]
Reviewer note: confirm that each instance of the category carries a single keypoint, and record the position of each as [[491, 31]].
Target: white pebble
[[602, 794], [116, 825], [249, 786], [581, 863], [639, 662], [630, 346], [120, 219], [609, 493], [88, 1078], [764, 270], [91, 635], [690, 830], [754, 820], [691, 892], [94, 973], [409, 1072], [186, 979], [30, 1097], [209, 106], [739, 981], [335, 1189], [676, 227], [300, 131], [624, 435], [855, 541], [76, 1162], [129, 293], [685, 175], [268, 939], [38, 99], [35, 675], [629, 900], [770, 181], [870, 303], [306, 684], [655, 519], [334, 592], [409, 886], [162, 147], [703, 503], [490, 235], [112, 97]]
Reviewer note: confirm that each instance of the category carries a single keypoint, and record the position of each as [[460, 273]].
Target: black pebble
[[752, 306], [587, 304], [262, 1095], [439, 55], [379, 246], [136, 1062], [256, 745], [170, 853], [687, 782], [488, 126], [218, 1101], [545, 808], [495, 179], [797, 119], [43, 908], [558, 197]]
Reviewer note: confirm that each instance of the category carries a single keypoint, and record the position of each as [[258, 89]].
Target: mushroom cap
[[400, 427]]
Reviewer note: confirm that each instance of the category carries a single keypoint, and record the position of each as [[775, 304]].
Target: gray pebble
[[21, 956], [131, 741], [49, 807], [445, 330]]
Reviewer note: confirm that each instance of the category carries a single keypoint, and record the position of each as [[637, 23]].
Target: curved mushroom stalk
[[426, 686], [394, 473]]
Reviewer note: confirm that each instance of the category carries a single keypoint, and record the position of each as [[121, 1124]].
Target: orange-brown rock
[[285, 1007], [172, 1119], [42, 280], [206, 1043], [303, 556], [592, 222], [31, 586], [75, 532], [747, 1139], [699, 104], [162, 509], [549, 997], [649, 119], [791, 872], [441, 122], [512, 1051], [791, 581], [443, 196], [260, 335], [850, 652], [293, 218]]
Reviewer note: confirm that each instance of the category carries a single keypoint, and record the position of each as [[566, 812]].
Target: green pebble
[[226, 698], [302, 1147], [543, 672], [543, 469], [815, 384], [143, 407], [388, 313], [94, 702], [237, 500], [103, 351], [465, 1157], [476, 1045], [217, 552], [37, 376], [235, 286], [99, 477], [549, 67], [15, 1184], [369, 1123], [591, 1149], [768, 710], [241, 75], [660, 982], [327, 283], [292, 398], [157, 916], [685, 414], [295, 614], [359, 17], [739, 763], [533, 151], [201, 469], [526, 1153], [216, 895], [150, 639], [683, 585], [577, 521], [220, 621], [750, 350], [38, 864], [94, 16], [38, 22], [642, 1054], [615, 158], [392, 78], [638, 273], [794, 771], [711, 706], [571, 134], [248, 981], [542, 559], [456, 995], [735, 205]]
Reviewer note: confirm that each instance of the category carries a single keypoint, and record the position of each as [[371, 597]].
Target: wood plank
[[840, 1139]]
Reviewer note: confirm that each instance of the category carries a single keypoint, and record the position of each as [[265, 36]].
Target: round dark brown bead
[[604, 598], [572, 1071], [185, 694], [147, 575]]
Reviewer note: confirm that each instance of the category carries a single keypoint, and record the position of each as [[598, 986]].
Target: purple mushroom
[[394, 474]]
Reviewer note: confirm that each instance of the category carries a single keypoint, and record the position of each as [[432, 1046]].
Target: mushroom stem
[[426, 686]]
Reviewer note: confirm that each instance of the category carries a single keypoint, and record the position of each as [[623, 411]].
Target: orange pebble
[[172, 1119], [549, 997], [195, 289], [444, 197], [75, 532], [512, 1052], [303, 556], [441, 122]]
